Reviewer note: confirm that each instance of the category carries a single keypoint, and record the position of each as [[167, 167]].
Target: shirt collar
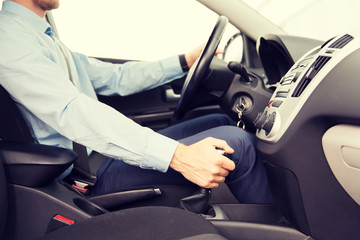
[[28, 15]]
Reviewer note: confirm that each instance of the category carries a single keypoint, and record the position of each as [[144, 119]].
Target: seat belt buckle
[[80, 186], [57, 222], [78, 175]]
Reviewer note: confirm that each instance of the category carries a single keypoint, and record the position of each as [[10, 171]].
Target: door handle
[[171, 96]]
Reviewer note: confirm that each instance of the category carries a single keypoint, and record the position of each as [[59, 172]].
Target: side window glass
[[134, 29]]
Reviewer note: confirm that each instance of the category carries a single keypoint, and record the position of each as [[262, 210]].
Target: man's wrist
[[175, 163], [183, 63]]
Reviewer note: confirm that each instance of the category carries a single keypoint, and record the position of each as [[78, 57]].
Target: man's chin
[[47, 5]]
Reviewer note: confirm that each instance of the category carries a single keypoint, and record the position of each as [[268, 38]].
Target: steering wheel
[[200, 68]]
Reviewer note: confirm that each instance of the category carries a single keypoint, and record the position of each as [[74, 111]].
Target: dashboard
[[297, 85], [309, 136], [278, 53]]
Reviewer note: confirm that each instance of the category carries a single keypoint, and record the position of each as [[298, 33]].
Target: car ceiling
[[241, 15]]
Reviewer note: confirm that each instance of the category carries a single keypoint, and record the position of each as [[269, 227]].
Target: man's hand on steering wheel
[[199, 67], [194, 54], [200, 162]]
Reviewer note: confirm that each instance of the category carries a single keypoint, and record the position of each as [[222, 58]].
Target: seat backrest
[[13, 127], [3, 200]]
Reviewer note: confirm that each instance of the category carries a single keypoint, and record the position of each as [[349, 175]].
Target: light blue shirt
[[34, 71]]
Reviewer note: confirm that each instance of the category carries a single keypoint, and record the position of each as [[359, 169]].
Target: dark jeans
[[248, 182]]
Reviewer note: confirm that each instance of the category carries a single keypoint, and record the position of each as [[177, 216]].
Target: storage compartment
[[252, 213], [254, 231], [89, 207]]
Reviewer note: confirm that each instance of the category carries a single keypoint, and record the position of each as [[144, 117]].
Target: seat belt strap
[[81, 171], [95, 161]]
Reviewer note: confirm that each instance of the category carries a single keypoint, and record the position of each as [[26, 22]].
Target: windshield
[[320, 19]]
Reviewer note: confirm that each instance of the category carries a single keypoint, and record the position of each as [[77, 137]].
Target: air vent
[[315, 68], [341, 42], [320, 62]]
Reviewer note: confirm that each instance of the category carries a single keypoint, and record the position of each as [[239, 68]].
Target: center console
[[41, 205]]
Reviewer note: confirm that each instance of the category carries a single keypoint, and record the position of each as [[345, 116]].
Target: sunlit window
[[134, 29]]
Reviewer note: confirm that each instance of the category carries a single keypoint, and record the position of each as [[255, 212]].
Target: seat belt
[[81, 171]]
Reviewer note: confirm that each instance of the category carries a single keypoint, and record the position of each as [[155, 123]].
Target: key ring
[[240, 108], [240, 124]]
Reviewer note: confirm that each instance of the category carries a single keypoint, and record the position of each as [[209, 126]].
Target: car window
[[135, 29], [320, 19]]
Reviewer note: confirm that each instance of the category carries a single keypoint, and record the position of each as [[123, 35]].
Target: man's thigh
[[115, 174], [194, 126]]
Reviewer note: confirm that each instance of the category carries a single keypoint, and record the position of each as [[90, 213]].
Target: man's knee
[[244, 145], [221, 119], [238, 136]]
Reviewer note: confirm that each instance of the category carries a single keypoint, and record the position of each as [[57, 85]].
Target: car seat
[[135, 223], [14, 129]]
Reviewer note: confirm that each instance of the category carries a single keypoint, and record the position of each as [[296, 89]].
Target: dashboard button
[[282, 94], [270, 103], [288, 79], [286, 82], [276, 103]]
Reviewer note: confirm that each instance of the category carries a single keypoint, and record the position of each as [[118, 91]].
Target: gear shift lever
[[199, 202]]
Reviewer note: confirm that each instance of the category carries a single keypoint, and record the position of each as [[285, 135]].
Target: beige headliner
[[243, 17]]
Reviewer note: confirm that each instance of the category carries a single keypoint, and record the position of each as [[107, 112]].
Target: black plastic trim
[[254, 231], [34, 165]]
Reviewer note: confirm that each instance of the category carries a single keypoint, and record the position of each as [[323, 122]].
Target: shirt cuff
[[172, 68], [159, 152]]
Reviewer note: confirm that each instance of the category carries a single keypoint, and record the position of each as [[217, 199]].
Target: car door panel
[[152, 108]]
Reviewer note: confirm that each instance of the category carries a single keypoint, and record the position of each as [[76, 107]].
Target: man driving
[[56, 91]]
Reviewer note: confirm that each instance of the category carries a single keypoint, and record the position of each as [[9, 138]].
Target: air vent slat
[[316, 67], [320, 62], [341, 42]]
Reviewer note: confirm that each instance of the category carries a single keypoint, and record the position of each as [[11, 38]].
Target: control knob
[[260, 119], [269, 123]]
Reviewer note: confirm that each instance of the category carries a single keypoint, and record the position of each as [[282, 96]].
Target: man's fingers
[[211, 185], [219, 51], [201, 164], [227, 149], [221, 144], [223, 172], [218, 179], [212, 182], [225, 162], [228, 164]]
